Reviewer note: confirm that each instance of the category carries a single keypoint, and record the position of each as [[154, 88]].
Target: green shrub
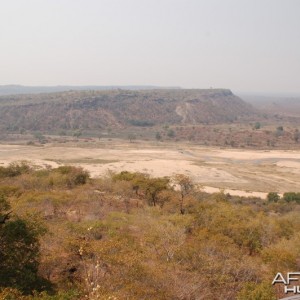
[[19, 252], [273, 197], [291, 196]]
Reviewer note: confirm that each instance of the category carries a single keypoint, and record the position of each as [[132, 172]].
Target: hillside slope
[[120, 108]]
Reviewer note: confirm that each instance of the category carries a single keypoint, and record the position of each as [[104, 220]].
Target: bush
[[171, 133], [273, 197], [15, 169], [14, 294], [19, 252], [141, 123], [72, 176], [257, 125], [291, 196], [40, 137], [128, 176], [279, 128]]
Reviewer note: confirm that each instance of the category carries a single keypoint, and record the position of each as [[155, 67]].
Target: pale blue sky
[[245, 45]]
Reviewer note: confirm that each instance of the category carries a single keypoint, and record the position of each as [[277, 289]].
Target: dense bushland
[[131, 236]]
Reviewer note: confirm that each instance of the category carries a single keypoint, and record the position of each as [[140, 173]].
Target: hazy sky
[[245, 45]]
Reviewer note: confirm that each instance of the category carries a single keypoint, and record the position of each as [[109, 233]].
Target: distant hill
[[90, 110], [281, 105], [20, 89]]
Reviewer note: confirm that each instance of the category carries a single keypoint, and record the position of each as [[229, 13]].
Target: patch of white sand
[[210, 190], [160, 168]]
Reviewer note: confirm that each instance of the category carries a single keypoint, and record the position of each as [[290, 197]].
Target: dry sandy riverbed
[[240, 172]]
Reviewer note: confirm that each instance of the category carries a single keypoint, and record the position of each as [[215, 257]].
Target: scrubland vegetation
[[130, 236]]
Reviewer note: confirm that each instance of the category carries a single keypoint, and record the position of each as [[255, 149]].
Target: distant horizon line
[[62, 87]]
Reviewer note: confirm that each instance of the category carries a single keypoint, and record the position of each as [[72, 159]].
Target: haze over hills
[[119, 108], [15, 89], [282, 105]]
